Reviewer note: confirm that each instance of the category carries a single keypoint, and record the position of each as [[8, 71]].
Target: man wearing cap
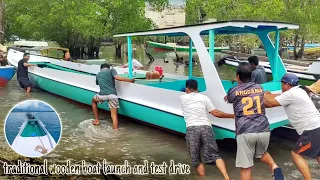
[[22, 72], [303, 116]]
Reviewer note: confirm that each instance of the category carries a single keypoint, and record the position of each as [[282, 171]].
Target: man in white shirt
[[195, 107], [136, 65], [303, 116]]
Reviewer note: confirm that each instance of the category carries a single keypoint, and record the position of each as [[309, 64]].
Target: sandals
[[277, 174]]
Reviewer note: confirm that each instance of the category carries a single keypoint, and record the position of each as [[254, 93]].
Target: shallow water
[[136, 142]]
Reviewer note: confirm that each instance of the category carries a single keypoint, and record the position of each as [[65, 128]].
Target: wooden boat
[[157, 102], [6, 74], [172, 46], [33, 138], [306, 75]]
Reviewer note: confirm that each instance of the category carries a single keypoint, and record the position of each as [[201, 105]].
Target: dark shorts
[[198, 137], [309, 144], [24, 82]]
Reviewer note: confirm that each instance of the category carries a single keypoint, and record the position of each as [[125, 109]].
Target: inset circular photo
[[33, 128]]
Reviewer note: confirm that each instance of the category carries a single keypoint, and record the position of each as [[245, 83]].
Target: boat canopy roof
[[222, 27], [31, 43]]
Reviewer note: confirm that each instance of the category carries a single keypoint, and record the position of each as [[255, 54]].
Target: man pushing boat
[[106, 81], [252, 126], [22, 72], [199, 129], [303, 116]]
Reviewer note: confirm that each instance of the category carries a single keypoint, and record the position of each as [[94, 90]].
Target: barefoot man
[[199, 135], [22, 72], [106, 81], [252, 126], [303, 116]]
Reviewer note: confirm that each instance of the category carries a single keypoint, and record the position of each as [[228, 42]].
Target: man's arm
[[212, 110], [220, 114], [139, 67], [124, 66], [270, 100], [28, 65], [119, 78]]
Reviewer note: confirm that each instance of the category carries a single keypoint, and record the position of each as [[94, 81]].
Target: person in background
[[252, 126], [136, 65], [199, 134], [303, 116], [3, 61], [67, 57], [106, 81], [258, 74], [22, 72]]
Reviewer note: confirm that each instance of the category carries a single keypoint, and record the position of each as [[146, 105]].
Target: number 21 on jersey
[[248, 101]]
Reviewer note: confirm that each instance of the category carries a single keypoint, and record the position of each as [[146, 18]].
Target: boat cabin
[[210, 83]]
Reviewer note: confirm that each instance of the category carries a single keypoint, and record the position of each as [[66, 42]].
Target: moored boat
[[172, 46], [33, 139], [6, 74], [306, 75], [157, 102]]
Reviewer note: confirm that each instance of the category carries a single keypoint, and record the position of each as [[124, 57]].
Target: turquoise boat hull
[[139, 112], [133, 110]]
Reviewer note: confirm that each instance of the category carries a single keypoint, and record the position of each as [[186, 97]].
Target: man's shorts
[[197, 136], [308, 144], [24, 82], [111, 98], [251, 145]]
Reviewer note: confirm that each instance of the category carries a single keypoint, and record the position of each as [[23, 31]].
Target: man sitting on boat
[[22, 72], [258, 72], [252, 126], [199, 129], [303, 116], [136, 65], [106, 81], [67, 57]]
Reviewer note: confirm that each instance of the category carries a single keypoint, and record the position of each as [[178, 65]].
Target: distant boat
[[171, 46], [306, 46], [33, 139], [306, 75], [6, 74]]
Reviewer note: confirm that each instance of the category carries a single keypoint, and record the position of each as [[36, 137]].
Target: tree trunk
[[296, 37], [118, 50], [1, 22], [301, 51]]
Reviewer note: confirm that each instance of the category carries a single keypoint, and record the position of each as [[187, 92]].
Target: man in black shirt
[[22, 72]]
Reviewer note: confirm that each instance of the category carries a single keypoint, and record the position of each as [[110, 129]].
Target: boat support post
[[276, 50], [190, 58], [278, 69], [129, 57], [211, 44]]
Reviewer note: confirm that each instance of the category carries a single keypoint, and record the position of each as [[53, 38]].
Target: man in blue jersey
[[252, 126]]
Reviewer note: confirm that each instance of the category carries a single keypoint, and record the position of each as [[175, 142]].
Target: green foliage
[[303, 12], [76, 23]]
